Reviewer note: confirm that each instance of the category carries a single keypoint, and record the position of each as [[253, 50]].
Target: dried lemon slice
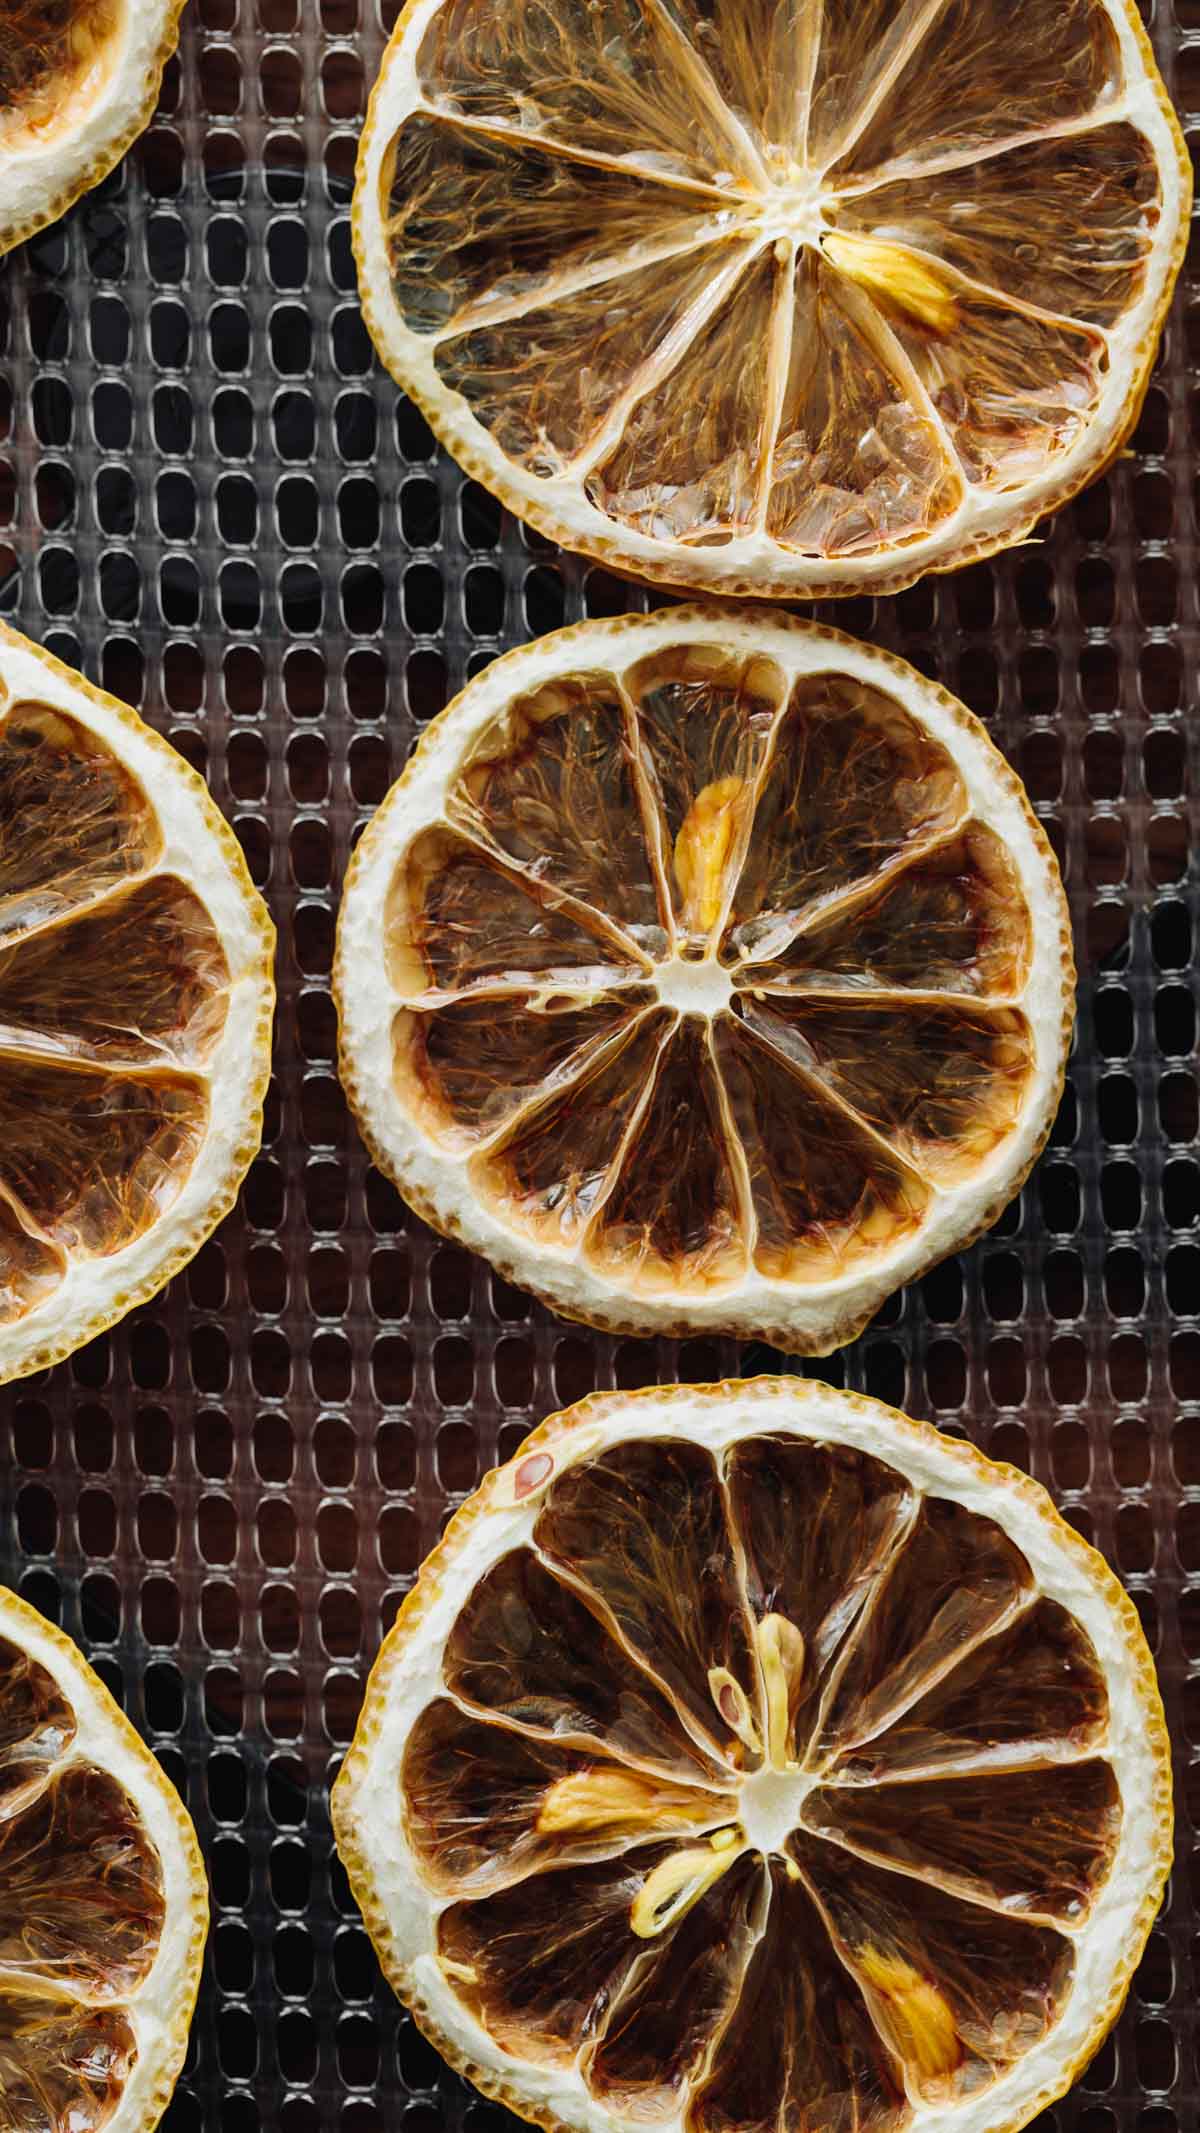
[[705, 969], [79, 80], [103, 1900], [778, 297], [136, 997], [917, 1721]]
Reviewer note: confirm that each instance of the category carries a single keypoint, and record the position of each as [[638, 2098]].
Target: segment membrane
[[37, 1726], [801, 2049], [141, 980], [825, 1196], [1026, 1840], [987, 71], [73, 822], [478, 1808], [545, 383], [677, 1998], [552, 786], [1015, 392], [541, 1963], [864, 45], [48, 50], [816, 1523], [527, 1647], [468, 1066], [30, 1269], [704, 719], [856, 463], [598, 76], [1065, 224], [63, 2067], [943, 1085], [472, 219], [854, 785], [81, 1898], [690, 461], [1031, 1692], [95, 1159], [953, 1579], [644, 1527], [673, 1219], [954, 920], [550, 1173], [959, 1993], [761, 55], [454, 919]]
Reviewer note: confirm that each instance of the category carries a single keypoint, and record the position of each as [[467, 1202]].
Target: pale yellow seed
[[668, 1894], [733, 1704], [888, 270], [465, 1973], [924, 2028], [702, 851], [615, 1799], [781, 1657]]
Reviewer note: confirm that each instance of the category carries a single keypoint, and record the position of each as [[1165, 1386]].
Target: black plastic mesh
[[213, 501]]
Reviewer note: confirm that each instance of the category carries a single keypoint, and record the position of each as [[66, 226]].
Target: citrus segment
[[628, 973], [135, 1007], [958, 1992], [62, 2065], [975, 73], [954, 921], [1024, 1840], [800, 2047], [804, 1936], [953, 1580], [796, 297], [78, 81], [103, 1904], [76, 823], [527, 1648], [1032, 1692], [143, 980], [37, 1726]]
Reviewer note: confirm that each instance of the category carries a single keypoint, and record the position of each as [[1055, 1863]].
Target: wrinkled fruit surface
[[762, 1787], [826, 275], [81, 1915], [113, 996], [708, 977]]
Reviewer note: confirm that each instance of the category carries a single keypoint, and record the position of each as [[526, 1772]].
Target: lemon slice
[[79, 80], [103, 1901], [783, 297], [749, 1755], [705, 970], [136, 998]]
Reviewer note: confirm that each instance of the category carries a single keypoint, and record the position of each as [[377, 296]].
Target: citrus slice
[[79, 80], [705, 970], [103, 1901], [794, 296], [136, 997], [749, 1755]]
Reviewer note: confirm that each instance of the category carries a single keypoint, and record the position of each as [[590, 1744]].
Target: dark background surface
[[213, 501]]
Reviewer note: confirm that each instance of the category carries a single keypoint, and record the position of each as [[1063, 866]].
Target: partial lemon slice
[[103, 1900], [136, 998], [79, 80], [705, 970], [749, 1755], [781, 297]]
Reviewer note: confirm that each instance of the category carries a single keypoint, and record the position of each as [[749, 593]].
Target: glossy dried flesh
[[81, 1915], [113, 996], [809, 269], [49, 50], [611, 838], [685, 1636]]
